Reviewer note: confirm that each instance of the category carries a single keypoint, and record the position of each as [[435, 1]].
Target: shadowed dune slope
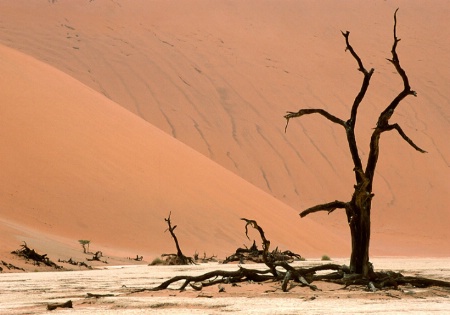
[[75, 165], [219, 75]]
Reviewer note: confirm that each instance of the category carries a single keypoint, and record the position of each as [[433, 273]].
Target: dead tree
[[244, 274], [359, 207], [178, 258], [97, 257], [85, 243], [282, 272], [360, 272]]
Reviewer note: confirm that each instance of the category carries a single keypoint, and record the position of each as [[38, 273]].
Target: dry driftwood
[[75, 263], [281, 271], [54, 306], [97, 257], [10, 266], [253, 254], [205, 259], [31, 254], [97, 296]]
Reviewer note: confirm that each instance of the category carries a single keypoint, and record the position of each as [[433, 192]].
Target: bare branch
[[267, 258], [383, 119], [349, 125], [352, 51], [365, 84], [395, 59], [308, 111], [254, 224], [405, 137], [330, 207], [387, 113], [358, 99]]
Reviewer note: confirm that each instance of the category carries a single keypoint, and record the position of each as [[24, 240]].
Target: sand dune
[[218, 76], [78, 166]]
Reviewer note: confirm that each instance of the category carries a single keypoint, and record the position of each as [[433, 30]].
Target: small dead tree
[[244, 274], [178, 258], [281, 271], [85, 245], [359, 207], [97, 257]]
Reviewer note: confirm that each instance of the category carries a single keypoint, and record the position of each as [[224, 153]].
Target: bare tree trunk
[[359, 224], [171, 231], [282, 272], [181, 259], [358, 215], [358, 209]]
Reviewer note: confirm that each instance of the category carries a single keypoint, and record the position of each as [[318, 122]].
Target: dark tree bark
[[281, 271], [359, 207], [37, 259], [97, 257], [54, 306], [180, 258]]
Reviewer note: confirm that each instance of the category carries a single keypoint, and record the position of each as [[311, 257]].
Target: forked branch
[[349, 125], [266, 243], [383, 120], [365, 83], [387, 113], [396, 62], [354, 54]]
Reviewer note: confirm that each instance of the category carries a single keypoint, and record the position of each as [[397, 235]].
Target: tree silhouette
[[85, 243], [178, 258], [360, 272], [359, 207]]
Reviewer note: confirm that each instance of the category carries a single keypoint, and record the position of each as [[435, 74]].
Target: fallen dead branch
[[31, 254], [255, 255], [97, 296], [97, 257], [138, 258], [214, 277], [10, 266], [54, 306], [281, 271], [204, 259], [75, 263]]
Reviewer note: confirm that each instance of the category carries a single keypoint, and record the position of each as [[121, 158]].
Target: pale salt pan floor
[[29, 293]]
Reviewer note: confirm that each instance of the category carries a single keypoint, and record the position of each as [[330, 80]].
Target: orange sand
[[114, 113]]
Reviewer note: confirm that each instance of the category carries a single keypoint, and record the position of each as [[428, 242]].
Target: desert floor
[[30, 293]]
